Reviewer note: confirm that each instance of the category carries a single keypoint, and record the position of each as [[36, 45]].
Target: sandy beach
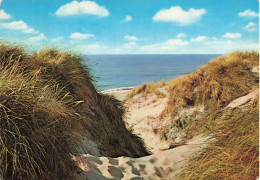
[[119, 93]]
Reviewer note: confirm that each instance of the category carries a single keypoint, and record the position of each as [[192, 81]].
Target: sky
[[132, 26]]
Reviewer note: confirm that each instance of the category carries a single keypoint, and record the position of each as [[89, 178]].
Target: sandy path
[[143, 118], [162, 165]]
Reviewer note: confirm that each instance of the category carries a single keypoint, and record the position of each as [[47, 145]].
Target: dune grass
[[147, 88], [44, 97], [234, 154], [217, 83], [35, 135]]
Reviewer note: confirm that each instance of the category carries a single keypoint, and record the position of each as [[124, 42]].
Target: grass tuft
[[147, 88]]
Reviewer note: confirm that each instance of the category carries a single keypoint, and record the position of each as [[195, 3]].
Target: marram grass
[[147, 88], [234, 154], [44, 97], [215, 84]]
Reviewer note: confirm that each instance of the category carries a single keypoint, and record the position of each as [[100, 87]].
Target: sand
[[161, 165], [143, 117], [244, 99]]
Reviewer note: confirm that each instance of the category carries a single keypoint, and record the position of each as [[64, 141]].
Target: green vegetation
[[145, 89], [234, 152], [45, 98]]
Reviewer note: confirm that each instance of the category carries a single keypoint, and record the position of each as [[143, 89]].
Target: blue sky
[[132, 26]]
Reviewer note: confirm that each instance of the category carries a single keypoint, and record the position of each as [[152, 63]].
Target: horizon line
[[160, 54]]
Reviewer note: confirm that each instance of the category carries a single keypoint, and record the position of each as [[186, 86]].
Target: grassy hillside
[[235, 152], [46, 98], [197, 104]]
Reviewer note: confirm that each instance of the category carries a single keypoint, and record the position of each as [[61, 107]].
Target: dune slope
[[49, 110]]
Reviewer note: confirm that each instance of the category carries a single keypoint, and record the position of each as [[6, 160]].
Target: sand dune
[[164, 163]]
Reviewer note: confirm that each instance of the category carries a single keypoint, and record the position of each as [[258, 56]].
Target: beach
[[119, 93]]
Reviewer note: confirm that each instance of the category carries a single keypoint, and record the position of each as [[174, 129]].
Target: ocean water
[[116, 71]]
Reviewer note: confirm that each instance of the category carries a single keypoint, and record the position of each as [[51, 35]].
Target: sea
[[120, 72]]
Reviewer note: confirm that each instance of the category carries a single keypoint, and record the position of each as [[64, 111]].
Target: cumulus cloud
[[130, 44], [181, 35], [37, 38], [176, 42], [81, 36], [30, 31], [130, 38], [250, 26], [83, 7], [57, 39], [18, 25], [218, 46], [232, 35], [92, 48], [165, 47], [248, 13], [176, 14], [4, 15], [199, 39], [128, 18]]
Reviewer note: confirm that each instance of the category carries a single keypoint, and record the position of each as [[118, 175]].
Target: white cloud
[[18, 25], [83, 7], [176, 42], [37, 38], [181, 35], [92, 49], [199, 39], [226, 46], [130, 44], [169, 46], [250, 26], [30, 31], [176, 14], [232, 35], [96, 46], [128, 18], [81, 36], [130, 38], [217, 46], [0, 2], [4, 15], [57, 39], [248, 13]]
